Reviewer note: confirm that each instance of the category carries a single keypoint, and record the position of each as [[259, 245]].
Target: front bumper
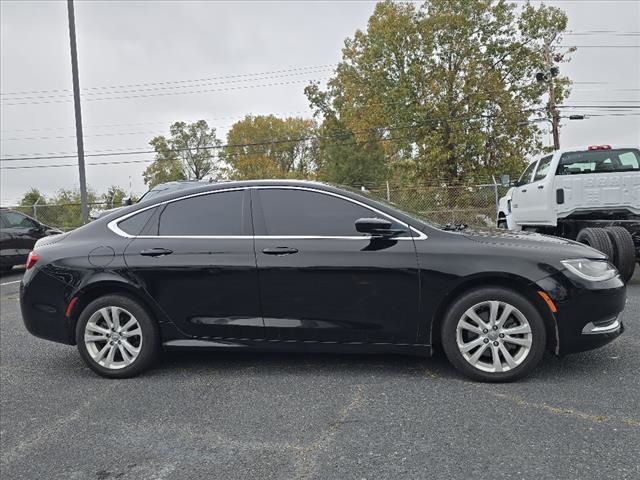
[[589, 314]]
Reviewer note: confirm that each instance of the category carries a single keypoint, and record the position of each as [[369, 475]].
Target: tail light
[[32, 259], [600, 147]]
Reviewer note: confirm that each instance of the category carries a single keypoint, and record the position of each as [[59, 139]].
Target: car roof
[[226, 185]]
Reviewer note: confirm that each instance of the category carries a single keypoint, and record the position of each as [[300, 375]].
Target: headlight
[[592, 270]]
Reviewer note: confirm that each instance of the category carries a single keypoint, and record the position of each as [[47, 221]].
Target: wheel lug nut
[[495, 327], [486, 340], [495, 343], [501, 335], [484, 330]]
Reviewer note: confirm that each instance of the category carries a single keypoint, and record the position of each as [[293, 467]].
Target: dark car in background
[[308, 267], [18, 235]]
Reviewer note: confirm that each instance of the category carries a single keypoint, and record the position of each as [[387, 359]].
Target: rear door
[[195, 257], [321, 280]]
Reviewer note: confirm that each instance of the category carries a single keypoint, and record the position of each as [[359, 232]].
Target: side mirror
[[377, 227], [505, 180], [127, 201]]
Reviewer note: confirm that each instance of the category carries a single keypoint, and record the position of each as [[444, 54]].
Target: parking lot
[[227, 415]]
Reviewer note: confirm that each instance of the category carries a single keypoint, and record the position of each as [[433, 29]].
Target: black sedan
[[301, 266], [18, 235]]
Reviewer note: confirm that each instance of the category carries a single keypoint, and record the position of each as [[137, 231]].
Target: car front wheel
[[493, 335], [116, 337]]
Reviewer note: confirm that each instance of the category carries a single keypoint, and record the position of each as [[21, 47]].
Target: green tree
[[114, 196], [63, 209], [31, 197], [446, 88], [270, 147], [189, 153]]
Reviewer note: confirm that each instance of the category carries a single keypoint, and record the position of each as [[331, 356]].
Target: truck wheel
[[597, 238], [624, 251], [502, 223]]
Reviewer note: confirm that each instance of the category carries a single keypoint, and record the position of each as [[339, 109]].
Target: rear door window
[[214, 214]]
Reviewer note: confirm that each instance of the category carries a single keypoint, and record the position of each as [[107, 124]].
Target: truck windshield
[[599, 161]]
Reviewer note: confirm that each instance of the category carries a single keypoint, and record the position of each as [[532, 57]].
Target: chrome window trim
[[113, 224]]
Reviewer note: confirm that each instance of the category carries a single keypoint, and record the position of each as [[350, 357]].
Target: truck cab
[[564, 192]]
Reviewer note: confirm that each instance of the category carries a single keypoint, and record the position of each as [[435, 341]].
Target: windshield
[[599, 161]]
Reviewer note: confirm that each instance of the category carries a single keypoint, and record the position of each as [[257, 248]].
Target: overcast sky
[[128, 43]]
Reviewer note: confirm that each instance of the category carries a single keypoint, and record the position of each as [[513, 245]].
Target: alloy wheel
[[494, 336], [113, 337]]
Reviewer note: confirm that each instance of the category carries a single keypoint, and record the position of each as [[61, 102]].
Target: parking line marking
[[9, 283]]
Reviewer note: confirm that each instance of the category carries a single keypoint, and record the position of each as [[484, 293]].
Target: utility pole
[[76, 101], [553, 112]]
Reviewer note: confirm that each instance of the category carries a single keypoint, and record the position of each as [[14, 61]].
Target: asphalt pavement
[[281, 416]]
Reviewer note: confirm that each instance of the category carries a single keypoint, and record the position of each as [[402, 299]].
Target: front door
[[321, 280], [197, 262]]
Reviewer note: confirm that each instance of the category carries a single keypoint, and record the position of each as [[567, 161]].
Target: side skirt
[[297, 346]]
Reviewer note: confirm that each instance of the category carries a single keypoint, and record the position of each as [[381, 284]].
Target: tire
[[597, 238], [6, 268], [140, 342], [525, 355], [624, 251], [502, 223]]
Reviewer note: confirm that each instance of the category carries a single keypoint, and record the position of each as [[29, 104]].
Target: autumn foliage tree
[[447, 89], [266, 146]]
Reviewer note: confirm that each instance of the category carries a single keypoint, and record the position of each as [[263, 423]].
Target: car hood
[[531, 240]]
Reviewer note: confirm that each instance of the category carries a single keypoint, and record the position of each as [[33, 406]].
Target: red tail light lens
[[32, 259], [600, 147]]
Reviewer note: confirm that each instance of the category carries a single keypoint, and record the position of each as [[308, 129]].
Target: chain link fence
[[472, 205], [475, 205]]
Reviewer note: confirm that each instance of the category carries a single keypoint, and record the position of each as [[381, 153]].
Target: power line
[[125, 97], [169, 89], [64, 155], [231, 117], [130, 85]]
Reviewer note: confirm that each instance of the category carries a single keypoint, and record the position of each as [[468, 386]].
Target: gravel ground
[[232, 415]]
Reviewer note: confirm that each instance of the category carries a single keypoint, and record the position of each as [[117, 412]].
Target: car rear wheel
[[493, 335], [116, 337]]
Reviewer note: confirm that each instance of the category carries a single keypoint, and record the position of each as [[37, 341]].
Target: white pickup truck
[[589, 194]]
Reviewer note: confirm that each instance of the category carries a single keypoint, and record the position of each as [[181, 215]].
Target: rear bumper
[[589, 315], [43, 301]]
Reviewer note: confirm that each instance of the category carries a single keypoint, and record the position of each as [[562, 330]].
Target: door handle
[[279, 251], [156, 252], [540, 187], [524, 190]]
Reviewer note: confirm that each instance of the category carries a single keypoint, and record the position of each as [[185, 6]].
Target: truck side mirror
[[505, 180]]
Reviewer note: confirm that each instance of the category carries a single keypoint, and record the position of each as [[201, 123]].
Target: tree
[[270, 147], [447, 89], [188, 154], [31, 197], [114, 196]]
